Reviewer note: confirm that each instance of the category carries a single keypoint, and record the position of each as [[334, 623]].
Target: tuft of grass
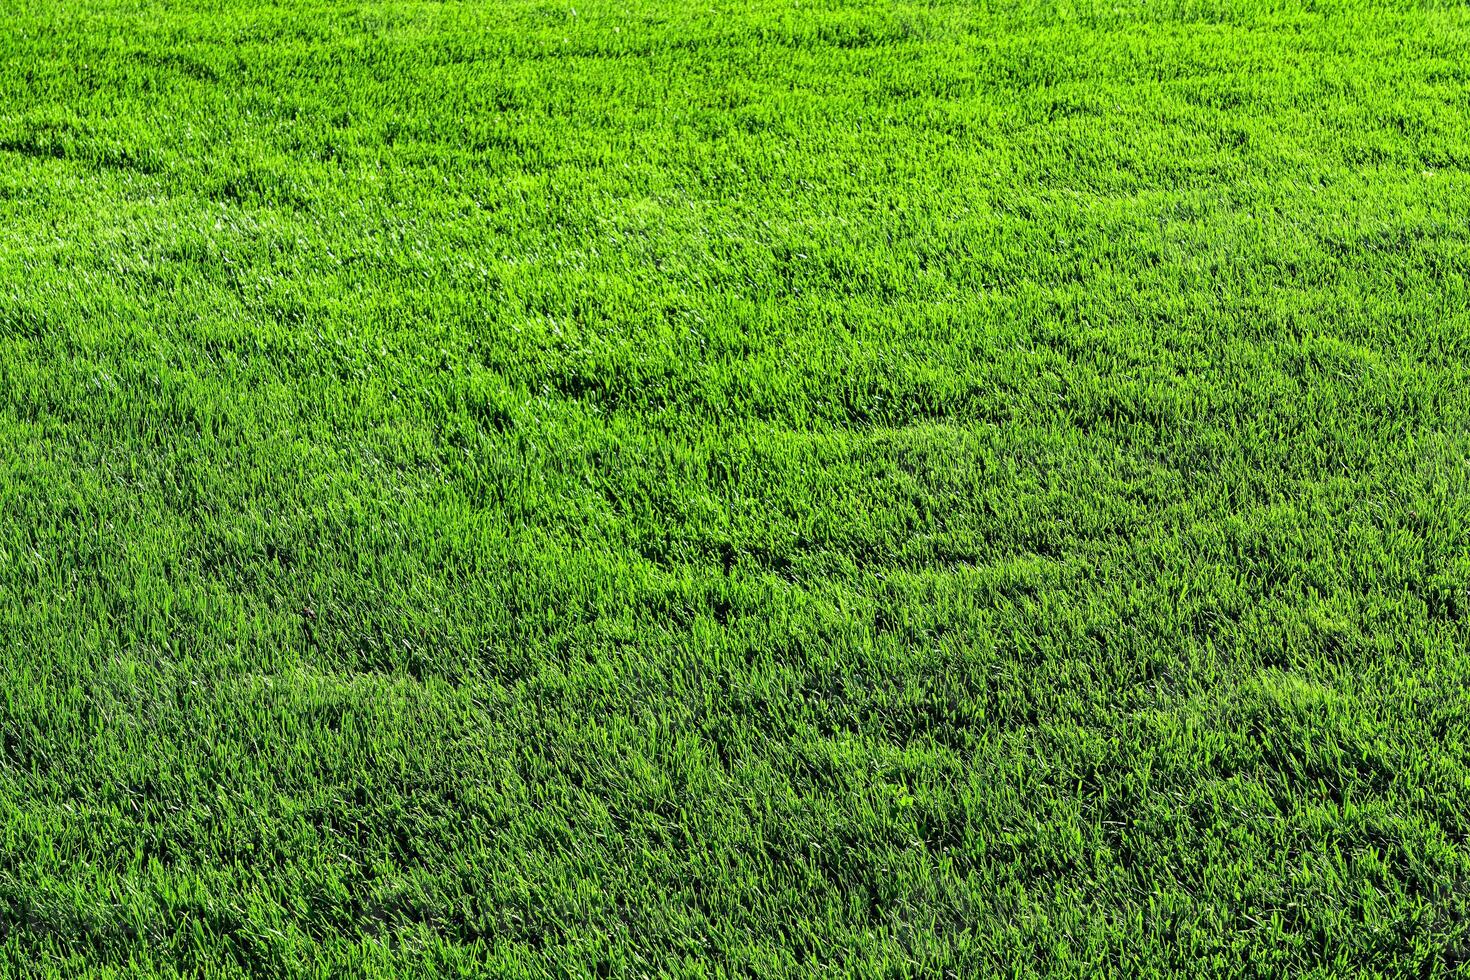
[[757, 489]]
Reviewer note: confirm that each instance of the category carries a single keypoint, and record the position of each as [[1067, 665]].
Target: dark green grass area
[[740, 489]]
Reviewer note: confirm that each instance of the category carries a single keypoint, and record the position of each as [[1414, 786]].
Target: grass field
[[780, 488]]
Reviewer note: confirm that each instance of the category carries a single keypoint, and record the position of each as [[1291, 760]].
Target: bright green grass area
[[734, 488]]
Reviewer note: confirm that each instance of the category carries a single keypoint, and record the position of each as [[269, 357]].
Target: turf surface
[[756, 489]]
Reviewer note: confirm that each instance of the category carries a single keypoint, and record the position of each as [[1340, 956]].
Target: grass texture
[[778, 488]]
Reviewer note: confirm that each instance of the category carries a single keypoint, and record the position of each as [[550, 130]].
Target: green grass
[[753, 489]]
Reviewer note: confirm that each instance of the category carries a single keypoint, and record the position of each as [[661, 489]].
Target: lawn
[[780, 488]]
